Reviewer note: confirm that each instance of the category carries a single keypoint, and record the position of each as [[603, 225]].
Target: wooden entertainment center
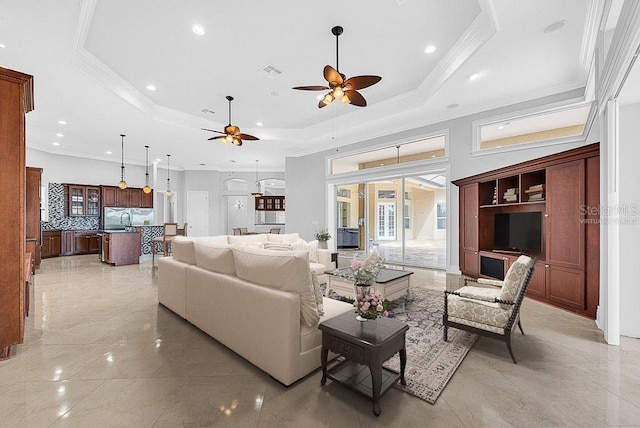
[[567, 194]]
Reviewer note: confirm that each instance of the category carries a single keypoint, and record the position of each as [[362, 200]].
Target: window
[[386, 194], [441, 216], [407, 216]]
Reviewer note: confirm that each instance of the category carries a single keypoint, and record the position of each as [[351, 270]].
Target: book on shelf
[[511, 191], [511, 198], [536, 197], [536, 187]]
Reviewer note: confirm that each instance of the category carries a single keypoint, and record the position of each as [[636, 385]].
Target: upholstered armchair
[[489, 307]]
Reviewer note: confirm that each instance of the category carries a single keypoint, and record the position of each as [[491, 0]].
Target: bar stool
[[169, 231]]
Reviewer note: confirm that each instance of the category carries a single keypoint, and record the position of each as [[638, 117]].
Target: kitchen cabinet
[[121, 248], [67, 245], [51, 243], [86, 242], [82, 200], [131, 197], [269, 203]]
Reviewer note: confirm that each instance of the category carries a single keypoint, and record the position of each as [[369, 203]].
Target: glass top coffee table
[[390, 284]]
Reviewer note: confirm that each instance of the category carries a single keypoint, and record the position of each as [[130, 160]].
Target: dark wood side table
[[365, 346]]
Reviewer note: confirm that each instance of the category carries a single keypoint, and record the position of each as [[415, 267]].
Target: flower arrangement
[[370, 306], [365, 271], [322, 235]]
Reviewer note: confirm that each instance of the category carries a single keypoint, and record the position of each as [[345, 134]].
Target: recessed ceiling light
[[59, 135], [430, 49], [62, 122], [56, 143], [454, 105], [2, 46], [151, 87], [259, 123], [554, 27], [198, 29], [474, 76], [109, 152]]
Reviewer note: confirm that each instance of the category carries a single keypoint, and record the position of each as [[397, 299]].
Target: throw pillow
[[311, 247], [279, 246], [318, 293]]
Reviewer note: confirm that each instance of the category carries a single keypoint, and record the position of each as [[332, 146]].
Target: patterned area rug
[[431, 361]]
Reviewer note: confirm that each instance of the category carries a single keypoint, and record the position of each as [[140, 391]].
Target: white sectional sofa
[[258, 302]]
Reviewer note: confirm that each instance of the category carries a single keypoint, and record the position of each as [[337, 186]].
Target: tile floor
[[99, 351]]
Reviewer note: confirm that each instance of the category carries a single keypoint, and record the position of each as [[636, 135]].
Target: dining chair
[[169, 231], [275, 230], [183, 231]]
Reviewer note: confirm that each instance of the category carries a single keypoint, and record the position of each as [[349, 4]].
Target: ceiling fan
[[231, 132], [339, 86]]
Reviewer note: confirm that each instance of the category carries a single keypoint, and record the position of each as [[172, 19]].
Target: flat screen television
[[518, 231]]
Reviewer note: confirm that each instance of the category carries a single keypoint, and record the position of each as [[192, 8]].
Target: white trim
[[612, 227], [595, 11]]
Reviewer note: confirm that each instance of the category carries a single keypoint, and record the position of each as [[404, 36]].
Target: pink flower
[[379, 308], [385, 314], [356, 264], [365, 306]]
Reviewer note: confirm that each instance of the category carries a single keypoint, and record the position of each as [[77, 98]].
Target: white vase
[[322, 245], [361, 319]]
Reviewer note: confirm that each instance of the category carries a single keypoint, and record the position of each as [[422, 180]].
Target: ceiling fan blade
[[212, 130], [332, 76], [216, 137], [246, 137], [356, 99], [311, 88], [360, 82], [321, 104]]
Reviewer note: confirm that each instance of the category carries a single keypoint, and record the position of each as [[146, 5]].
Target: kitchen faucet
[[128, 223]]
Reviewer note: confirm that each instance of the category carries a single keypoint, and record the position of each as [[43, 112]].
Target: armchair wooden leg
[[520, 327], [445, 333], [507, 339]]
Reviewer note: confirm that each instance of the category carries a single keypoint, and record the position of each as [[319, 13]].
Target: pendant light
[[257, 193], [146, 189], [122, 184], [168, 192]]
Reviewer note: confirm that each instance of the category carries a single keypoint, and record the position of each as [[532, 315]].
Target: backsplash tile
[[57, 219]]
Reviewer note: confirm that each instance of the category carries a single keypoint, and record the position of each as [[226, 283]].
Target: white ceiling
[[92, 61]]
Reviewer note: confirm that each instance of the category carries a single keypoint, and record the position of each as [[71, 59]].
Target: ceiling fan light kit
[[231, 132], [346, 90]]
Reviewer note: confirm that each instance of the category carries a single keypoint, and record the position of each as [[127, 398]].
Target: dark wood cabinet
[[135, 198], [564, 188], [131, 197], [67, 243], [469, 261], [82, 200], [86, 242], [16, 100], [32, 212], [269, 203], [51, 243], [121, 248]]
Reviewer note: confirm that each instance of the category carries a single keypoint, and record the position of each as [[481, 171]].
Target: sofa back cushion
[[247, 239], [283, 270], [212, 240], [216, 258], [183, 250], [285, 237]]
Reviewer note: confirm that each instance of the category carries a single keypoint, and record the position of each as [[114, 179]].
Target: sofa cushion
[[211, 240], [317, 268], [285, 237], [216, 258], [311, 337], [242, 239], [183, 250], [311, 247], [317, 291], [283, 270]]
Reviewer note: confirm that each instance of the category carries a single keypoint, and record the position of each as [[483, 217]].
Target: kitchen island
[[121, 247]]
